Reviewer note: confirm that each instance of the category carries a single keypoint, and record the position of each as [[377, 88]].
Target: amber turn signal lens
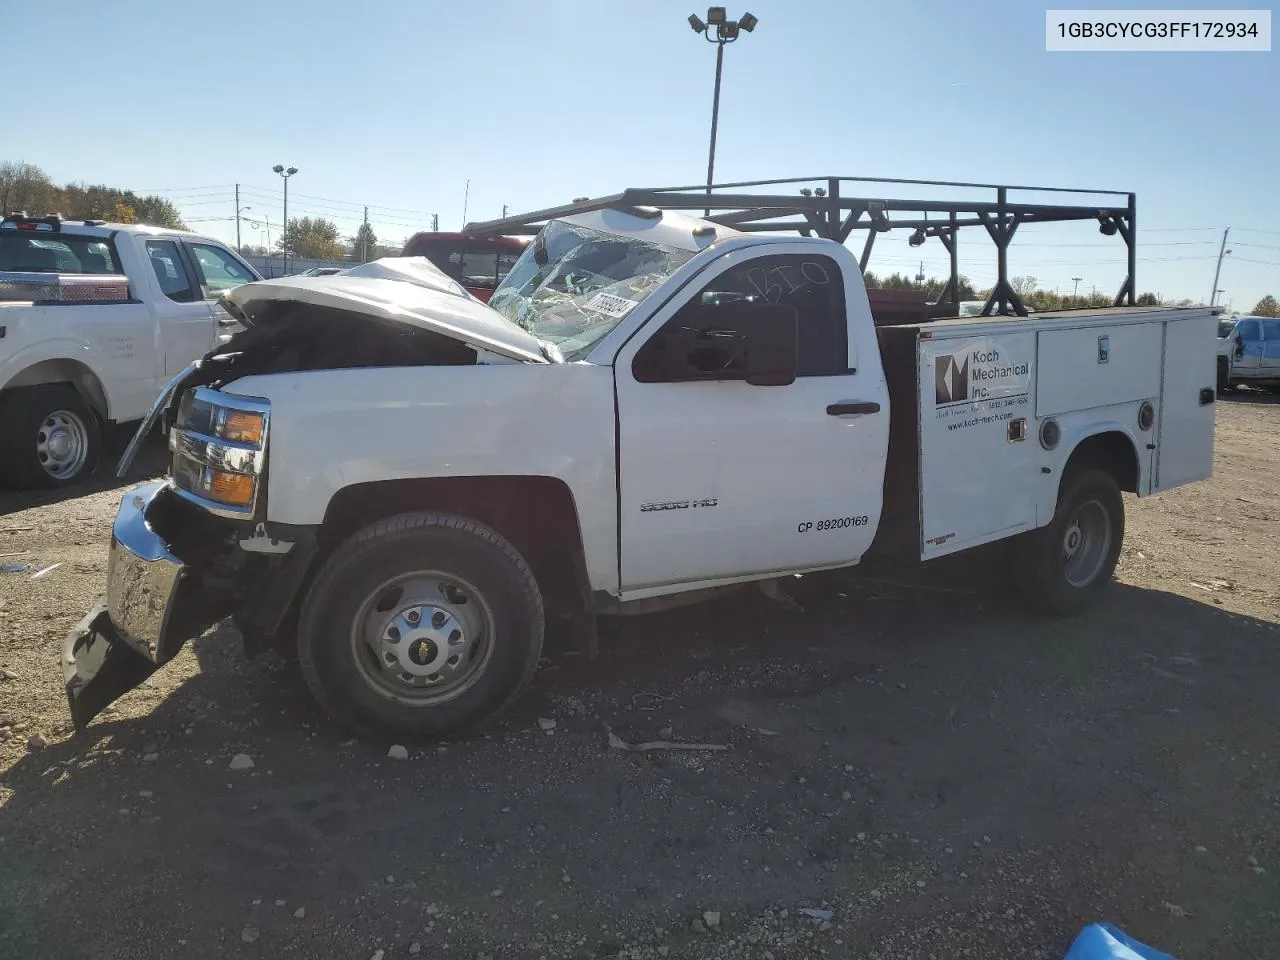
[[235, 489], [242, 427]]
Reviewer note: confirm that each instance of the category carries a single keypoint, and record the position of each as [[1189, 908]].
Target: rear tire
[[421, 625], [48, 437], [1062, 566]]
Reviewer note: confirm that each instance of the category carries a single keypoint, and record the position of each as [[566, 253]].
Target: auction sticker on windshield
[[610, 305]]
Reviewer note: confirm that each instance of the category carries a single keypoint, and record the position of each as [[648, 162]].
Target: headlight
[[219, 450]]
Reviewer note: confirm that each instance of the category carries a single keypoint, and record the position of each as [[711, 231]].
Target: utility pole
[[1222, 252], [435, 223], [504, 211], [364, 238], [1075, 285], [238, 219], [465, 198]]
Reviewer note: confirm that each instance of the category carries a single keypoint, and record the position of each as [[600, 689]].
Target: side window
[[167, 263], [1250, 331], [219, 270], [1271, 330], [812, 285]]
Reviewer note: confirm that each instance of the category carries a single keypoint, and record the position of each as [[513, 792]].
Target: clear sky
[[397, 103]]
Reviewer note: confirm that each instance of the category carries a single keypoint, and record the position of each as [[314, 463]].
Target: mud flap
[[99, 666]]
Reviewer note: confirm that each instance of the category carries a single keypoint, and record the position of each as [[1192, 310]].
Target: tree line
[[1025, 287], [26, 188], [315, 238], [1268, 306]]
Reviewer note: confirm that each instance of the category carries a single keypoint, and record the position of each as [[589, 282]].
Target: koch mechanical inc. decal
[[979, 381]]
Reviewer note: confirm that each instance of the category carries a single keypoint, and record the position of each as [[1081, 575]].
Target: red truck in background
[[478, 263]]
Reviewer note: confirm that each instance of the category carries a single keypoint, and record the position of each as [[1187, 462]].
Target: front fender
[[334, 429]]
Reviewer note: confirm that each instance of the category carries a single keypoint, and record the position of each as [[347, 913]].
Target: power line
[[353, 211], [215, 186], [343, 203], [396, 216]]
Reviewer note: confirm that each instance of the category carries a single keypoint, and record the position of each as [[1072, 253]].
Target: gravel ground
[[912, 772]]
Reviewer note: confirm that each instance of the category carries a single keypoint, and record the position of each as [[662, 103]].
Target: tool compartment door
[[1097, 366], [977, 440], [1184, 446]]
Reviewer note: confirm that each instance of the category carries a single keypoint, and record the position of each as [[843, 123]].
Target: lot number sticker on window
[[610, 305]]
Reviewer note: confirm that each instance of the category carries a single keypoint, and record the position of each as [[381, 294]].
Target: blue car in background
[[1253, 352]]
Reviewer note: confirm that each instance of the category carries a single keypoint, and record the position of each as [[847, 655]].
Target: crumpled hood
[[408, 290]]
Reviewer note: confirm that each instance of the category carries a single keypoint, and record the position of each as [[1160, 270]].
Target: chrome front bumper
[[142, 575], [144, 621]]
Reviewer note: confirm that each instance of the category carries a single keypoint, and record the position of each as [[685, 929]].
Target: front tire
[[421, 625], [1062, 566], [48, 437]]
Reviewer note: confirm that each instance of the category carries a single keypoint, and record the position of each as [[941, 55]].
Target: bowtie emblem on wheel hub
[[422, 652]]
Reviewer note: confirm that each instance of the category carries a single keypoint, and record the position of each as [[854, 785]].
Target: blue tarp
[[1102, 941]]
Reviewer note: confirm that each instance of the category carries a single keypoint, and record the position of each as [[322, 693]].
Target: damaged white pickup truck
[[404, 486]]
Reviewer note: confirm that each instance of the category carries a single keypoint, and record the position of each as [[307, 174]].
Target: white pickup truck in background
[[403, 485], [95, 319]]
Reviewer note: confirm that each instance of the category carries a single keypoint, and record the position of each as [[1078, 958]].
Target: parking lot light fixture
[[726, 31], [285, 174]]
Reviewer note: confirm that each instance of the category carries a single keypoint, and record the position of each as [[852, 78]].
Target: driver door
[[720, 479]]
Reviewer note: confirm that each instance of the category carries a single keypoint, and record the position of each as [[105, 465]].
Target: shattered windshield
[[573, 285]]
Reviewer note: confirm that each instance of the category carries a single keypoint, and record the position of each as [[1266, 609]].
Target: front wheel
[[1063, 565], [421, 625]]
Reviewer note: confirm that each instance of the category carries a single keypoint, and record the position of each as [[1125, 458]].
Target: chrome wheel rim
[[62, 444], [422, 638], [1086, 543]]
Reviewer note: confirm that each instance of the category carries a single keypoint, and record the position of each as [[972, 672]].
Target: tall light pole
[[726, 31], [1222, 252], [285, 174]]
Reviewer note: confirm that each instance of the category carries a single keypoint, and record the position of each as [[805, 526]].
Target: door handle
[[1207, 396], [848, 407]]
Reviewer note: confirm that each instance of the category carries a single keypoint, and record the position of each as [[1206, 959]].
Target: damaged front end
[[197, 547], [153, 606], [173, 571]]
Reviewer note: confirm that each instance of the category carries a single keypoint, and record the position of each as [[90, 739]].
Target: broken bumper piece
[[151, 610]]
